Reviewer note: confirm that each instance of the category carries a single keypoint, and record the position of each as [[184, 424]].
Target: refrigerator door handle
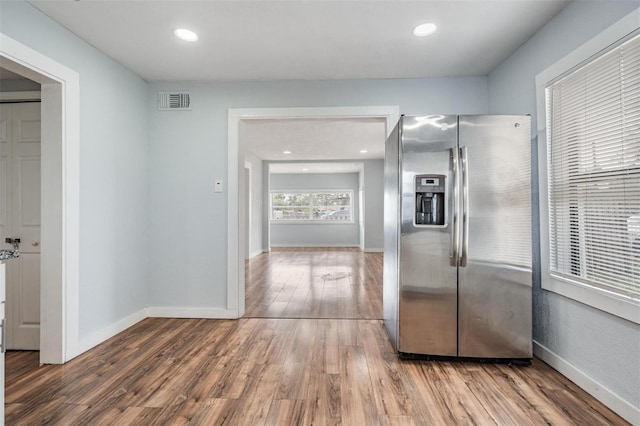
[[465, 206], [454, 227]]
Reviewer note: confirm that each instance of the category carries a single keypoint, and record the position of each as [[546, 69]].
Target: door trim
[[235, 164], [59, 295], [20, 96]]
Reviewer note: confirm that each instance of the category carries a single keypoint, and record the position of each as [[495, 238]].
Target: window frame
[[310, 192], [618, 304]]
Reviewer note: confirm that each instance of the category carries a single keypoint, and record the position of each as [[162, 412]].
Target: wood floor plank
[[324, 406], [487, 382], [287, 412], [388, 390], [429, 403], [216, 411], [128, 416], [20, 362], [398, 421], [295, 376], [358, 406], [49, 412]]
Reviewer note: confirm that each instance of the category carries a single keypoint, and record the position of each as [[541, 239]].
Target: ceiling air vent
[[174, 101]]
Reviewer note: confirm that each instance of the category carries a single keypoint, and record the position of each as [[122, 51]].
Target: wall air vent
[[174, 101]]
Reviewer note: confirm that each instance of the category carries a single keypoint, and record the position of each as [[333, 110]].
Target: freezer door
[[494, 287], [391, 234], [427, 291]]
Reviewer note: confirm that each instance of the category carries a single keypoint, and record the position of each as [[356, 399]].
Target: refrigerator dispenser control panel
[[429, 182], [430, 200]]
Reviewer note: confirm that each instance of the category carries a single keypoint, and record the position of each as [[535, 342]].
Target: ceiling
[[313, 139], [305, 168], [303, 40]]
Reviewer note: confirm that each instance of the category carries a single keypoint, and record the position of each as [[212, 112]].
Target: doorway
[[236, 246], [59, 247], [247, 210]]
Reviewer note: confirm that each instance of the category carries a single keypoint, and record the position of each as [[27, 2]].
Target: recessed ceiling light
[[305, 170], [363, 151], [186, 35], [424, 30], [286, 152]]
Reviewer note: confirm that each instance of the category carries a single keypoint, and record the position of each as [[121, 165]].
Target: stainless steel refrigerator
[[457, 237]]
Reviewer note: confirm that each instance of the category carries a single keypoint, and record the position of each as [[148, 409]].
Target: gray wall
[[22, 85], [316, 235], [604, 347], [188, 151], [113, 168]]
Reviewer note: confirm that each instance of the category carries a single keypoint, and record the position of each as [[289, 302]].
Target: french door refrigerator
[[457, 237]]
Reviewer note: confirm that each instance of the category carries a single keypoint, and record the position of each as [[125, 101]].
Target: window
[[331, 206], [594, 171], [591, 209]]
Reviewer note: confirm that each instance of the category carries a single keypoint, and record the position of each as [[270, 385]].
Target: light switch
[[218, 187]]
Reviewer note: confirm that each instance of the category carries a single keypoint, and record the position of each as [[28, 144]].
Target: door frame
[[235, 165], [60, 201], [247, 209]]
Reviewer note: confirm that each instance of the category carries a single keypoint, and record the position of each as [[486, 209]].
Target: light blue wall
[[256, 203], [373, 194], [603, 346], [188, 151], [374, 205], [320, 235], [113, 168]]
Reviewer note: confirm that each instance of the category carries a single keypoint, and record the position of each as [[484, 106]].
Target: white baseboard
[[211, 313], [313, 245], [255, 253], [97, 337], [623, 408], [373, 250]]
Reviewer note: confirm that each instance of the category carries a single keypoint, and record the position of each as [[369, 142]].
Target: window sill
[[607, 301]]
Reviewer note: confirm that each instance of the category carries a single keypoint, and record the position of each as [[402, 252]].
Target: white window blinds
[[593, 131]]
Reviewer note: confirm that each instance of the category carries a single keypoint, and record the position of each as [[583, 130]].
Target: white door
[[20, 218]]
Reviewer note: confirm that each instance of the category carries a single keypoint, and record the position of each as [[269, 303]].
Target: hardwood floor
[[314, 283], [286, 372], [18, 363], [303, 370]]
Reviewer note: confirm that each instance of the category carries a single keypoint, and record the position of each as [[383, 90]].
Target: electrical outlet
[[218, 186]]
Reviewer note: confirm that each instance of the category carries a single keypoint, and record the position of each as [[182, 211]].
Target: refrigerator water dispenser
[[430, 199]]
